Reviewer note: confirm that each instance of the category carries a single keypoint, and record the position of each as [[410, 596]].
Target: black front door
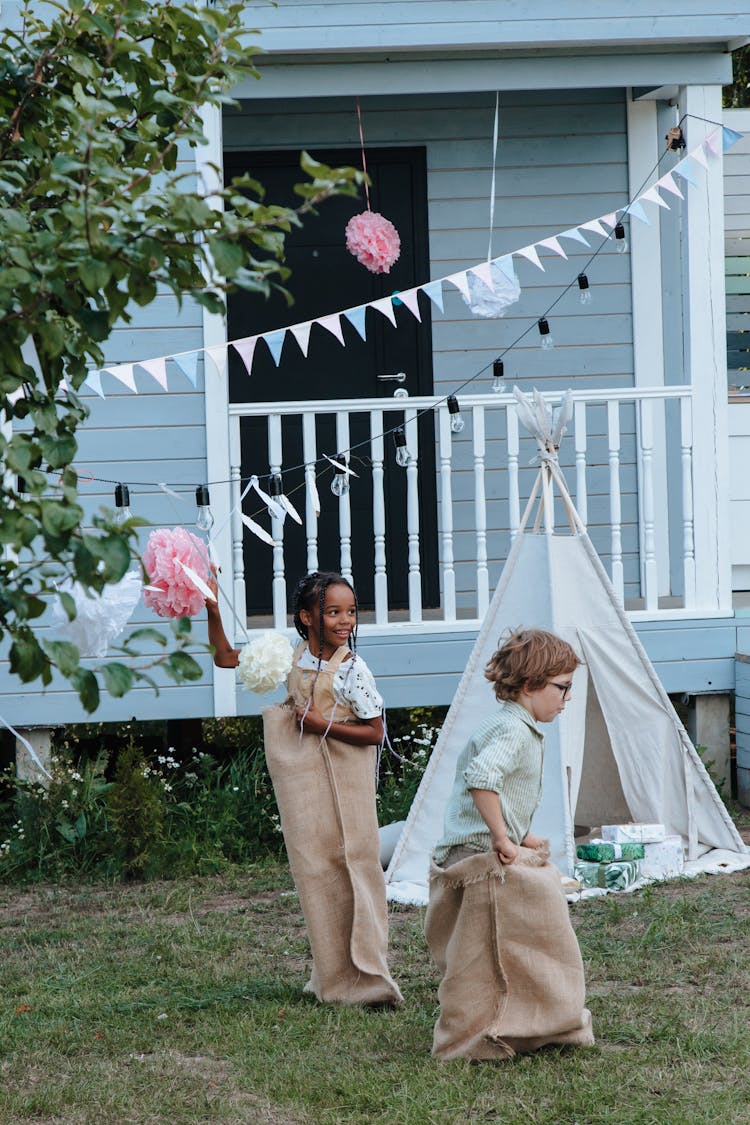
[[326, 278]]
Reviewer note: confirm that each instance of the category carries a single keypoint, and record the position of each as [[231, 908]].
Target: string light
[[340, 482], [621, 242], [122, 503], [583, 285], [204, 521], [457, 422], [548, 342], [498, 370], [402, 453]]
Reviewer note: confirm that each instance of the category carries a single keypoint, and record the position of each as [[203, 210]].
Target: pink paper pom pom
[[373, 240], [165, 551]]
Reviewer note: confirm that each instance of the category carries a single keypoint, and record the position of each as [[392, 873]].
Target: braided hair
[[312, 589]]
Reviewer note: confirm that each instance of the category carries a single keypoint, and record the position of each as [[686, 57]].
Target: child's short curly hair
[[529, 657]]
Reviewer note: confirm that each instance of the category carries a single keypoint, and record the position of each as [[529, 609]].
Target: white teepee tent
[[619, 752]]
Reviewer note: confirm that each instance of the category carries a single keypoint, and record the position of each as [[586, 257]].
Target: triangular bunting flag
[[301, 333], [484, 272], [218, 356], [246, 350], [713, 142], [188, 365], [576, 235], [652, 195], [332, 324], [595, 226], [610, 219], [636, 210], [94, 380], [312, 491], [434, 290], [385, 306], [158, 369], [275, 342], [409, 297], [729, 137], [667, 183], [506, 267], [356, 318], [554, 245], [684, 169], [698, 154], [530, 253], [124, 373], [461, 282]]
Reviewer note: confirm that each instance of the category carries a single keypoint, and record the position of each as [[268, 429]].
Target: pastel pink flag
[[158, 369], [301, 333], [245, 350], [332, 324], [554, 245], [667, 183]]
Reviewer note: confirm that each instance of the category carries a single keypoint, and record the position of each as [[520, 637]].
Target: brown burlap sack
[[512, 975], [325, 790]]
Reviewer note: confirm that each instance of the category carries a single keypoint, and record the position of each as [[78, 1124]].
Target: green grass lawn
[[181, 1002]]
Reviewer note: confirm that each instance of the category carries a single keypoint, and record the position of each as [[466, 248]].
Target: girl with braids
[[321, 752]]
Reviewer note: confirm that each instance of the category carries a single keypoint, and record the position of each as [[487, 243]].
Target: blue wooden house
[[582, 104]]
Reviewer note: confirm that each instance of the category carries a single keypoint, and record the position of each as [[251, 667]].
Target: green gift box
[[615, 876], [603, 852]]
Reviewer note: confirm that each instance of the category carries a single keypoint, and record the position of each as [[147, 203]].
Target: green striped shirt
[[505, 754]]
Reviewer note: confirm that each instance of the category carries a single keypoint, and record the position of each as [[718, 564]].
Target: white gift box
[[663, 860], [633, 833]]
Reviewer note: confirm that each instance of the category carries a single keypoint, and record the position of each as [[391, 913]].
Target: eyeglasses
[[564, 689]]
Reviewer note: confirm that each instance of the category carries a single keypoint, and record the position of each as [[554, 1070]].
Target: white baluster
[[615, 504], [277, 527], [310, 454], [378, 517], [480, 512], [345, 510], [446, 517], [237, 527], [650, 574], [514, 501], [688, 533], [579, 416], [412, 516]]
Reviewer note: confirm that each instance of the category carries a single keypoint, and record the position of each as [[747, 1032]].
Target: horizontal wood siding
[[306, 26], [561, 160]]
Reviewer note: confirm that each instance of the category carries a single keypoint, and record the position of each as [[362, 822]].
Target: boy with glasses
[[497, 924]]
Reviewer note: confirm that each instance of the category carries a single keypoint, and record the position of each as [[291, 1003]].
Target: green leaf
[[63, 654], [57, 519], [118, 679], [27, 660], [148, 634], [180, 666], [182, 627], [68, 604], [85, 684]]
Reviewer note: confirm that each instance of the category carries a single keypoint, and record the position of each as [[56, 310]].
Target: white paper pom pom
[[265, 662]]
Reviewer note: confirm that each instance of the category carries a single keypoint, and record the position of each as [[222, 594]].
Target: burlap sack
[[512, 975], [325, 790]]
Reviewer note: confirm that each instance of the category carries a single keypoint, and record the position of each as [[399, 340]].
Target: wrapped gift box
[[633, 833], [616, 876], [663, 860], [604, 852]]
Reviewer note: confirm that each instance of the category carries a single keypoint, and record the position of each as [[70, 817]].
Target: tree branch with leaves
[[96, 216]]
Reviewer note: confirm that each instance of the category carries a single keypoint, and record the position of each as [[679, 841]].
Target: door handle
[[399, 377]]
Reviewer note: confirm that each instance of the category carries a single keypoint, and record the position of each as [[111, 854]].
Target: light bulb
[[497, 384], [585, 291], [457, 422], [204, 521], [340, 482], [122, 504], [548, 342], [402, 453], [498, 371], [621, 242]]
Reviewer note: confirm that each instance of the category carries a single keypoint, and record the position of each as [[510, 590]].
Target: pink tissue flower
[[373, 240], [165, 551]]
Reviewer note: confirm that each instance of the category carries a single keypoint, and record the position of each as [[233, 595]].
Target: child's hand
[[506, 850], [531, 841], [314, 722]]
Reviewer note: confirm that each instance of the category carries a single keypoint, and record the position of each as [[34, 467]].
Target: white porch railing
[[641, 521]]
